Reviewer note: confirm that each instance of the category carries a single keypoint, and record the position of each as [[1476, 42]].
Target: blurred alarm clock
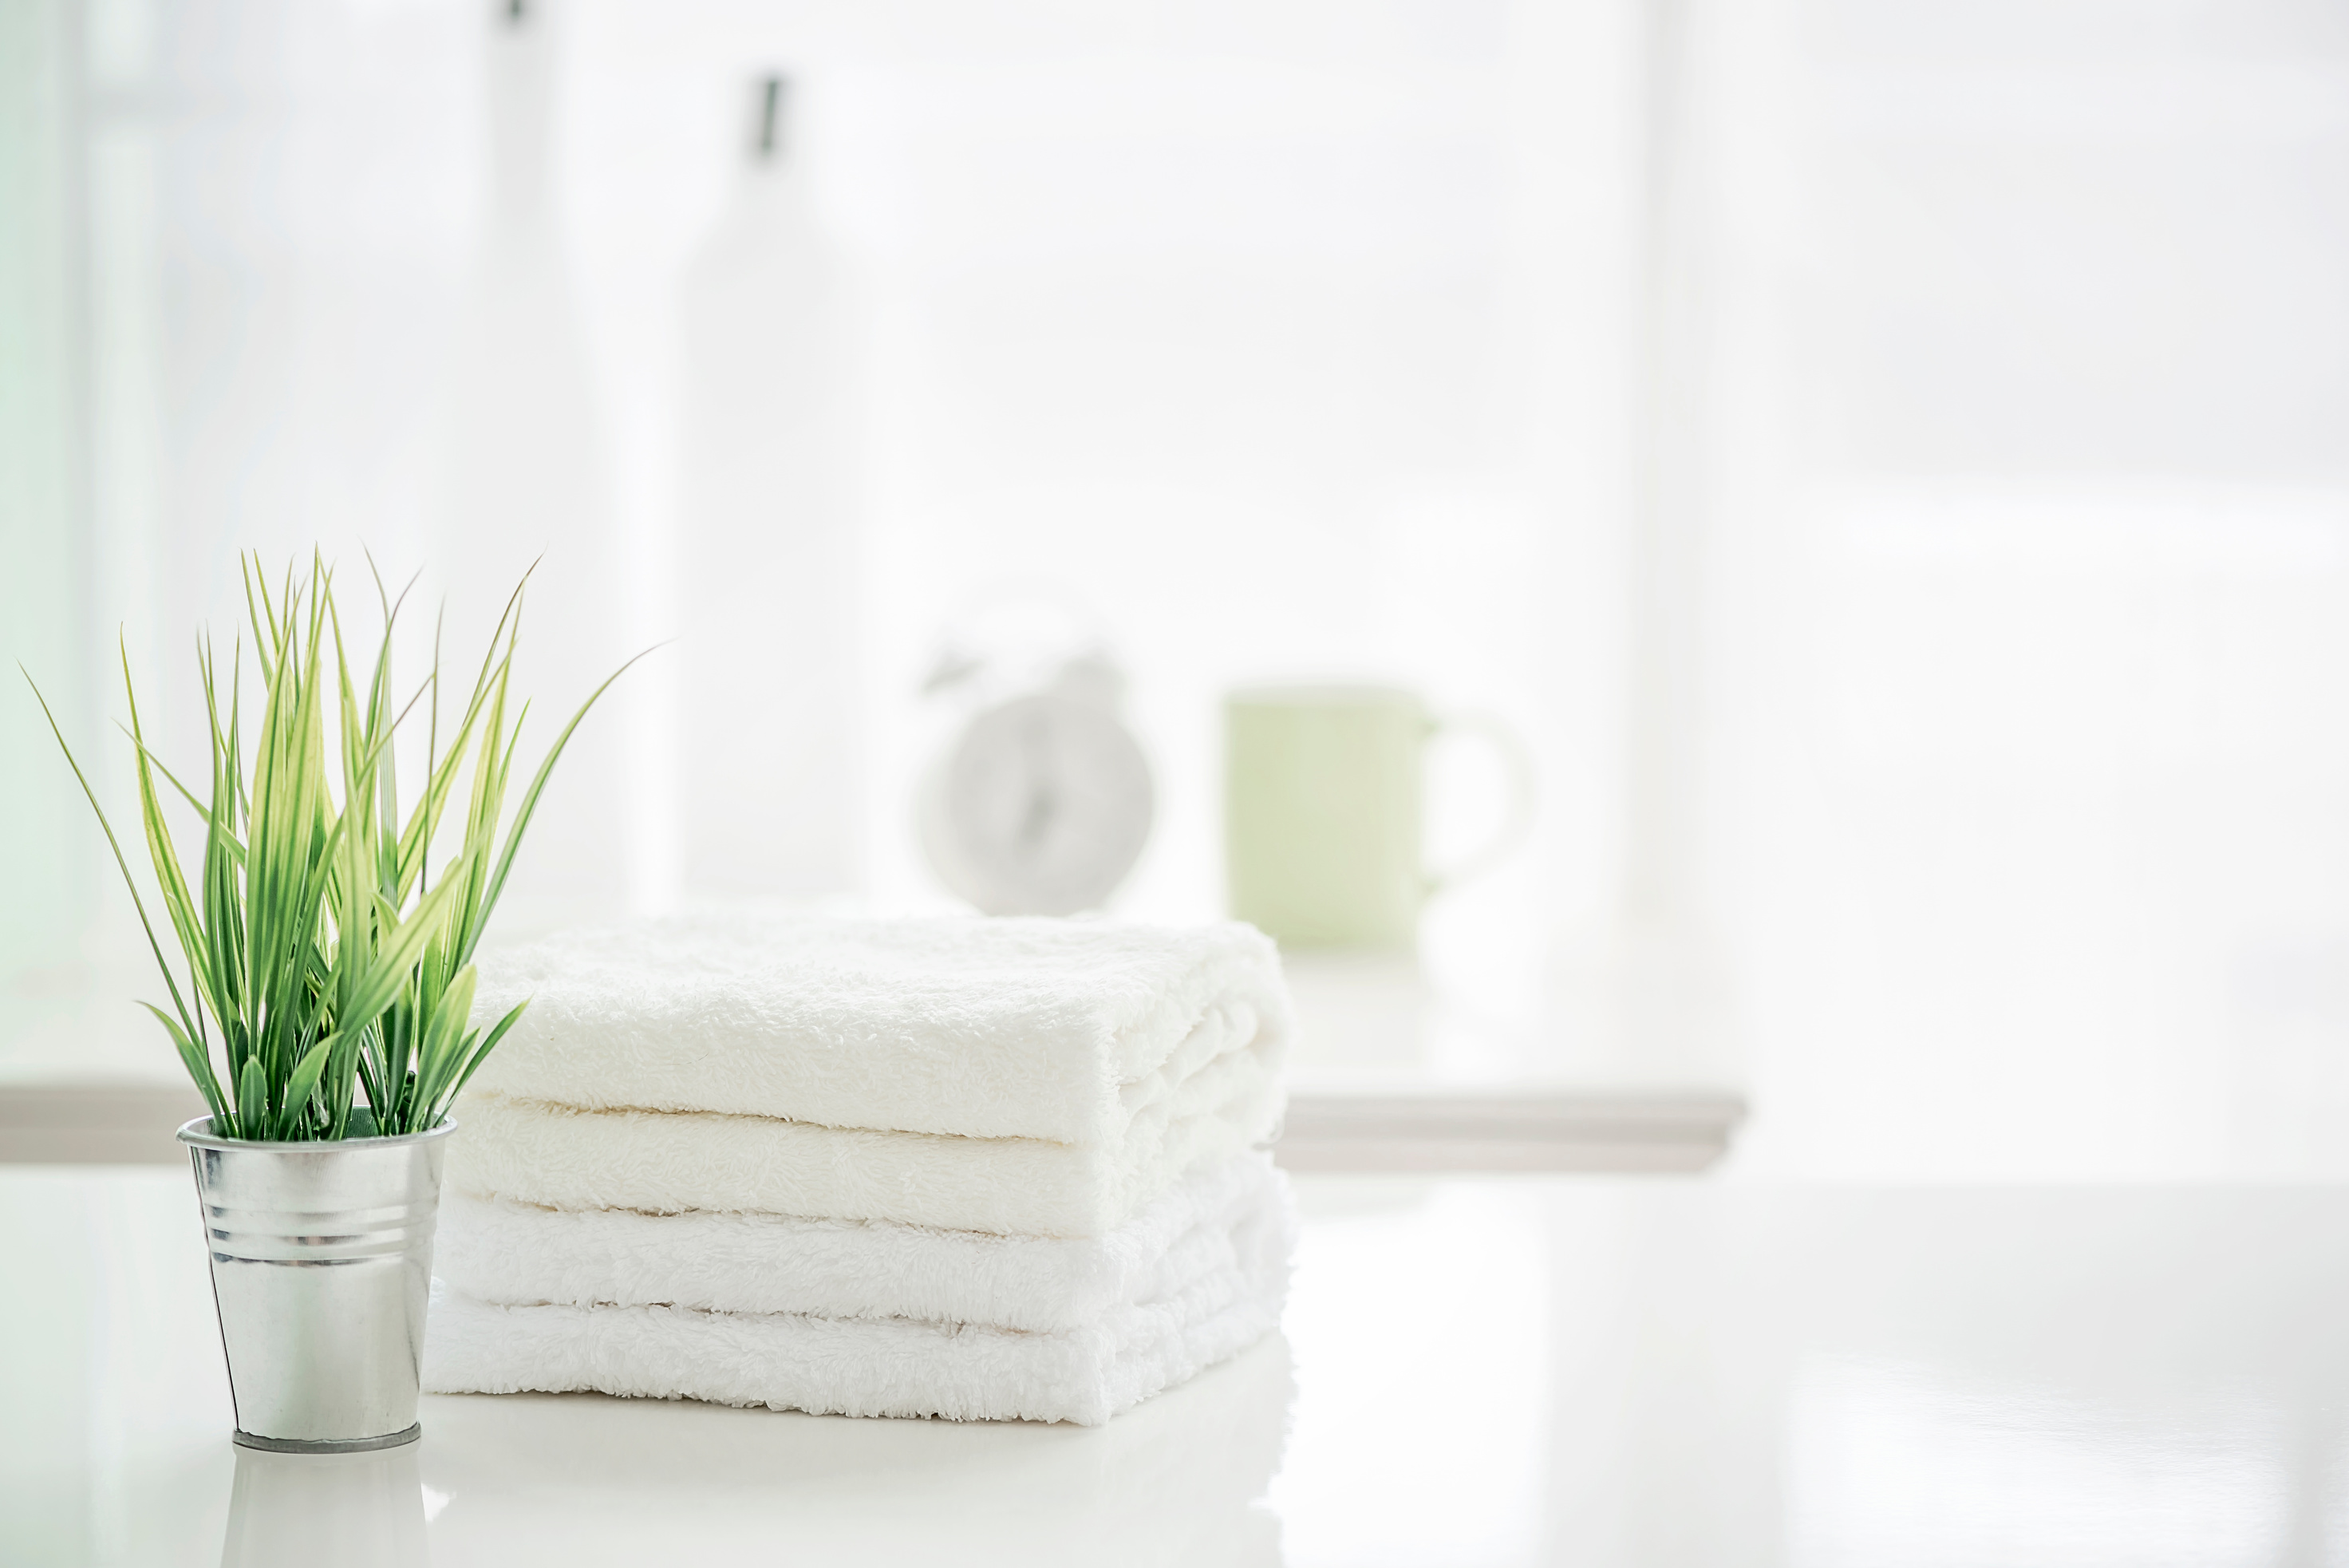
[[1041, 801]]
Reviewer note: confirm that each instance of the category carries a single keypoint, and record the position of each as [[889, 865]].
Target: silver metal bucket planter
[[322, 1262]]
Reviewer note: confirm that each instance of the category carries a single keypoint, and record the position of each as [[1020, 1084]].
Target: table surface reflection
[[1529, 1371]]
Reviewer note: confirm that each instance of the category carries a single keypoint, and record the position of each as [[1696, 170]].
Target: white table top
[[1499, 1372]]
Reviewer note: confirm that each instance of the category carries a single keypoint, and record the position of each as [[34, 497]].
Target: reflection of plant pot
[[354, 1511], [322, 1262]]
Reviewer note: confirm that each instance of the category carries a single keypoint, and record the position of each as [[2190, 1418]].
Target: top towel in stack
[[1022, 1076]]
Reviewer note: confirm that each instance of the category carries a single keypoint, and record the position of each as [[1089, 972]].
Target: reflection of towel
[[1080, 1031], [1173, 1483], [519, 1255], [667, 1162], [1125, 1354]]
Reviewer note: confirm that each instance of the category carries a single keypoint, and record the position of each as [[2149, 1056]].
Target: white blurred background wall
[[1975, 376]]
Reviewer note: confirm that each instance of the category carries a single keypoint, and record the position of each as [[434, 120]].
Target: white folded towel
[[666, 1162], [1071, 1031], [516, 1254], [873, 1367]]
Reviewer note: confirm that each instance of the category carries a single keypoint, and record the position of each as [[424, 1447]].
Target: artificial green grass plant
[[327, 959]]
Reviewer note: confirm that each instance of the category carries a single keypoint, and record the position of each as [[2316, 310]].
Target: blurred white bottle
[[768, 762], [527, 483]]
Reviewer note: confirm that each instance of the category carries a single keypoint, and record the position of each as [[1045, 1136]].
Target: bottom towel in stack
[[860, 1318]]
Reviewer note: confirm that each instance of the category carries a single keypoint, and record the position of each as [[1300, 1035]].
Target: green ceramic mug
[[1322, 789]]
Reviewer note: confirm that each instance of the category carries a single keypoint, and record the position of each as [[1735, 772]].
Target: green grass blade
[[179, 1004], [474, 1057], [382, 982], [199, 1066], [251, 1099], [444, 1039], [300, 1086], [523, 812], [178, 903]]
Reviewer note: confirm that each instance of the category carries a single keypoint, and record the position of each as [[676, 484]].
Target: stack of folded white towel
[[982, 1169]]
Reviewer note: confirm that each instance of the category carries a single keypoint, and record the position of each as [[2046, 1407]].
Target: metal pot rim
[[197, 1134]]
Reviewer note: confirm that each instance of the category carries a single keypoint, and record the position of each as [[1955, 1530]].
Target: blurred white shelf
[[94, 1123], [1442, 1129], [1385, 1129]]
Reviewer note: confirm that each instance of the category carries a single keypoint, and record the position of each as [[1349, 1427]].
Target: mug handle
[[1518, 764]]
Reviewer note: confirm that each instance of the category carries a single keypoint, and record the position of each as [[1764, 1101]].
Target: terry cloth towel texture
[[669, 1162], [1090, 1033], [516, 1254], [876, 1366]]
